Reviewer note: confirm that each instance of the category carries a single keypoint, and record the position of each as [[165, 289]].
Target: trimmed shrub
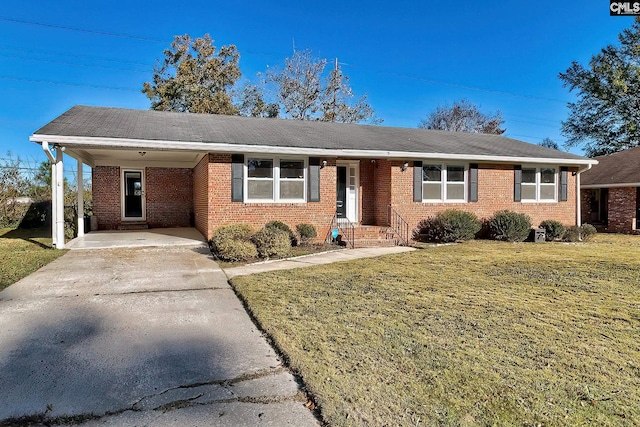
[[232, 243], [572, 234], [306, 233], [554, 229], [583, 233], [271, 241], [510, 226], [587, 232], [279, 225], [451, 225]]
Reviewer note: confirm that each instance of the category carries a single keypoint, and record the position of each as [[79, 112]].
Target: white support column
[[578, 201], [59, 203], [54, 202], [80, 200]]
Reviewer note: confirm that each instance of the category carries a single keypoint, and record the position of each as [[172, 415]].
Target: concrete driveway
[[138, 336]]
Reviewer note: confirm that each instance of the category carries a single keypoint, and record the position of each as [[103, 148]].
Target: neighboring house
[[611, 192], [165, 169]]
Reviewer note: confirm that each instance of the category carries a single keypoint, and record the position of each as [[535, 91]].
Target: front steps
[[372, 236], [133, 225]]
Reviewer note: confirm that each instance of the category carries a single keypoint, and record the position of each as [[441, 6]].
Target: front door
[[133, 206], [347, 191]]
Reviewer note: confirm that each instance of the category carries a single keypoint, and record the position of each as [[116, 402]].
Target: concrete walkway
[[314, 259], [138, 238], [139, 336]]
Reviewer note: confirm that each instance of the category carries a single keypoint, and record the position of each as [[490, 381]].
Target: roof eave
[[132, 144]]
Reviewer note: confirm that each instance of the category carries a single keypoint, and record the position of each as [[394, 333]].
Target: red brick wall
[[200, 195], [495, 192], [222, 211], [169, 195], [622, 209], [106, 196], [367, 192]]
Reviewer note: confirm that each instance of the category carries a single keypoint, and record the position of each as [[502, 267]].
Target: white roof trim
[[125, 143], [620, 185]]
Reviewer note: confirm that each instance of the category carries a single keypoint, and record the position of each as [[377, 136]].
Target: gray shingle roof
[[618, 168], [119, 123]]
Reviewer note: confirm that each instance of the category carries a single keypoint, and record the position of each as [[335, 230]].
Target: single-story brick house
[[168, 169], [611, 192]]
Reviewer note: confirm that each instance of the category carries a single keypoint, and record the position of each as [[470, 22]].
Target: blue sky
[[407, 56]]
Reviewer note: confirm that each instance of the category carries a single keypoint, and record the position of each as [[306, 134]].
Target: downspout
[[579, 196]]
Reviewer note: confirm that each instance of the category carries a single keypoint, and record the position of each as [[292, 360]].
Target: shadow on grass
[[29, 235]]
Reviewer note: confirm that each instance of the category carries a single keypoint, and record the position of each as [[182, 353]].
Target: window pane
[[547, 192], [547, 176], [260, 189], [431, 191], [455, 191], [528, 192], [260, 168], [291, 169], [431, 173], [455, 173], [529, 176], [291, 189]]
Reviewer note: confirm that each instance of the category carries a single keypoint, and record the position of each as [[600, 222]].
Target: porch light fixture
[[323, 164], [405, 166], [142, 153]]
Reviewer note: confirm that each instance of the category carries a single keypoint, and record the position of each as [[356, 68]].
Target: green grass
[[480, 333], [22, 252]]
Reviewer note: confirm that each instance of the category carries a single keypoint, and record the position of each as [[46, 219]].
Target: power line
[[58, 53], [73, 64], [19, 79], [83, 30]]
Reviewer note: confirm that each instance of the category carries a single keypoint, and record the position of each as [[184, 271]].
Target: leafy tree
[[606, 116], [194, 77], [252, 103], [305, 95], [13, 184], [463, 116], [549, 143]]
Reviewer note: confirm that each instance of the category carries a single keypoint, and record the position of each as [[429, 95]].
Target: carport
[[183, 236]]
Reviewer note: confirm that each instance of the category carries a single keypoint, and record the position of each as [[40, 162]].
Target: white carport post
[[57, 180], [80, 200]]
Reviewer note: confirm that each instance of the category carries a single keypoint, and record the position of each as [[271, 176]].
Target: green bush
[[232, 243], [451, 225], [279, 225], [554, 229], [306, 233], [510, 226], [271, 241], [583, 233], [587, 232]]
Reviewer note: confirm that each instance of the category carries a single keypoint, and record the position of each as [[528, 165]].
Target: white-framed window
[[444, 183], [539, 184], [273, 179]]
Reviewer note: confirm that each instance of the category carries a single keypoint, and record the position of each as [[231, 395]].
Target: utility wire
[[73, 64], [19, 79], [83, 30]]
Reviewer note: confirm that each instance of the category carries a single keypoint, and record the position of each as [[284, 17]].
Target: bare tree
[[463, 116]]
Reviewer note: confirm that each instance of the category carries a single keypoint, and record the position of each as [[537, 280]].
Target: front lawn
[[480, 333], [22, 252]]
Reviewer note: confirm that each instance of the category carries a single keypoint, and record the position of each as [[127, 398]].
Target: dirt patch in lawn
[[481, 333]]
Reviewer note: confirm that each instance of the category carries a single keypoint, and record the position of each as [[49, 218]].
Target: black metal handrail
[[398, 225], [346, 231]]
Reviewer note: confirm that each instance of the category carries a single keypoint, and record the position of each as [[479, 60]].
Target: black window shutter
[[237, 178], [517, 188], [473, 182], [564, 178], [417, 181], [314, 179]]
